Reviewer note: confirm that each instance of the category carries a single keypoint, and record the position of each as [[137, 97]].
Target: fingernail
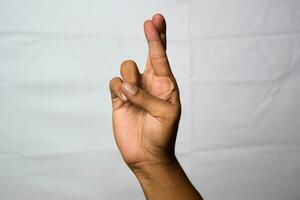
[[123, 97], [129, 88]]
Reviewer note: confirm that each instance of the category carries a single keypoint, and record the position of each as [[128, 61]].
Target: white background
[[238, 66]]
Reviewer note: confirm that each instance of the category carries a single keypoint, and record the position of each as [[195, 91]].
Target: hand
[[146, 113], [146, 107]]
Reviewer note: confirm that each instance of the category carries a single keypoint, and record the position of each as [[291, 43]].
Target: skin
[[146, 117]]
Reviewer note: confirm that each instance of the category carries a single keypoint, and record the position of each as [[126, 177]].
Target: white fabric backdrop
[[238, 66]]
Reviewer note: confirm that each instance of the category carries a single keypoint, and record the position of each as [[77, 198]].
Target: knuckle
[[177, 110], [144, 96], [172, 113], [158, 56], [168, 83], [165, 85]]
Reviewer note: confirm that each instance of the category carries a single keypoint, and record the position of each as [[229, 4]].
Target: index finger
[[157, 52]]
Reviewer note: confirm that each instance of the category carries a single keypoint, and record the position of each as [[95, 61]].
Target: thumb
[[139, 97]]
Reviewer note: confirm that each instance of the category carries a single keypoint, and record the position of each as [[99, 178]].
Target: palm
[[137, 132]]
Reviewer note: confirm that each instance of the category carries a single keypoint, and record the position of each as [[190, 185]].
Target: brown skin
[[146, 117]]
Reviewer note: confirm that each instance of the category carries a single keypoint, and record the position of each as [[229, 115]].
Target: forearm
[[166, 181]]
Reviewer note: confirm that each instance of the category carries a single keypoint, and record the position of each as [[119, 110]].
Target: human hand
[[146, 107]]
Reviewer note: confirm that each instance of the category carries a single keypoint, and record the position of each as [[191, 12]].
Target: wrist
[[148, 169], [164, 175], [166, 180], [153, 160]]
